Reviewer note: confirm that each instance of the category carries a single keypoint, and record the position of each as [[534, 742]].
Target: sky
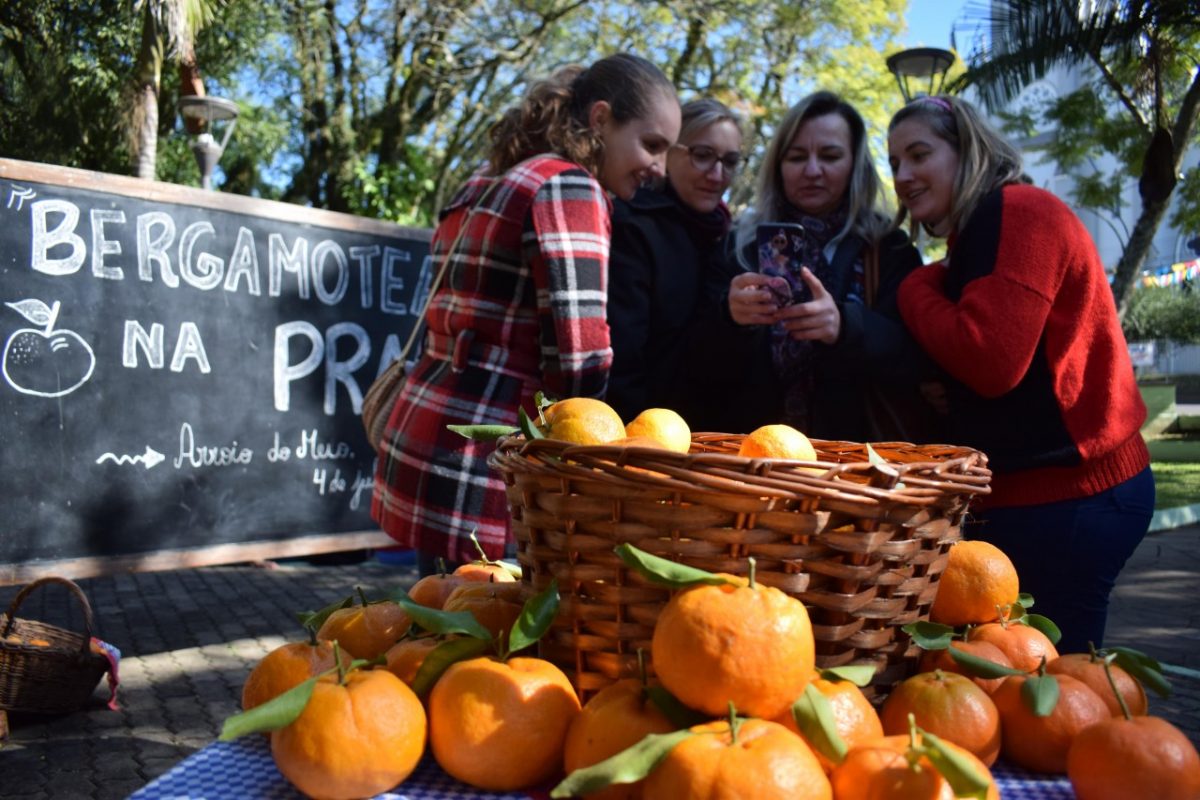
[[929, 22]]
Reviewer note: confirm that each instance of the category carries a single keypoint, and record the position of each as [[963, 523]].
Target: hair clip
[[940, 102]]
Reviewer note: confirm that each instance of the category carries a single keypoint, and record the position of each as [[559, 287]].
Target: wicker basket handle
[[88, 619]]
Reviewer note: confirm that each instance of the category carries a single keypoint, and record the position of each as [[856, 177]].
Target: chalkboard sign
[[182, 371]]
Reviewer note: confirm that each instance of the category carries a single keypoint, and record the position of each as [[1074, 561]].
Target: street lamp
[[921, 63], [207, 111]]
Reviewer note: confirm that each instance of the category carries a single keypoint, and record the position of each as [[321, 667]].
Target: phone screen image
[[780, 245]]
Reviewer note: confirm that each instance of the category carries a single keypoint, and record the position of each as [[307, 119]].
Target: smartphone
[[779, 247]]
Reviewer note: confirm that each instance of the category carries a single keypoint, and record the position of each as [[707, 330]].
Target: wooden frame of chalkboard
[[182, 372]]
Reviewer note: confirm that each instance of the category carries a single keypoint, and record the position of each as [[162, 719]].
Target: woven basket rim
[[916, 475]]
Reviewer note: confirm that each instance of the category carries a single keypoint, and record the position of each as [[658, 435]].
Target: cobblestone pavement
[[188, 638]]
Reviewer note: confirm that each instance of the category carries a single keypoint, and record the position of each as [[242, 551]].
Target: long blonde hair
[[986, 161], [553, 115], [865, 218]]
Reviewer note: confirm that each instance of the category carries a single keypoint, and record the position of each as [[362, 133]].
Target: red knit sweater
[[1022, 319]]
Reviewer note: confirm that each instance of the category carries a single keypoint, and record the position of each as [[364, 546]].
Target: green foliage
[[1175, 485], [1157, 312]]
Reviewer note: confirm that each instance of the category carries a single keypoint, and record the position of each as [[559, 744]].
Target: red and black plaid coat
[[522, 308]]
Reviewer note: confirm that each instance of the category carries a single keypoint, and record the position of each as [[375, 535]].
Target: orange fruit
[[1041, 743], [484, 572], [617, 717], [978, 582], [879, 770], [583, 420], [854, 717], [406, 656], [765, 761], [664, 426], [39, 642], [777, 441], [286, 667], [432, 590], [1121, 758], [366, 631], [501, 725], [352, 740], [949, 706], [1090, 670], [1025, 646], [489, 606], [749, 645], [509, 592], [941, 659]]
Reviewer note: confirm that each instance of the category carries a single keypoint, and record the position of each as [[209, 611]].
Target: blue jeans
[[1068, 554]]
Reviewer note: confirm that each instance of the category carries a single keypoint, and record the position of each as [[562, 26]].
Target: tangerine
[[1024, 645], [978, 583], [366, 631], [484, 572], [501, 725], [1121, 758], [664, 426], [777, 441], [1041, 743], [949, 706], [943, 660], [489, 607], [432, 590], [1090, 670], [406, 656], [751, 645], [617, 717], [756, 760], [880, 770], [583, 420], [353, 739], [854, 717], [286, 667]]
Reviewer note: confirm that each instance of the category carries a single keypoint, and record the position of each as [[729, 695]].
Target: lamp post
[[920, 63], [208, 111]]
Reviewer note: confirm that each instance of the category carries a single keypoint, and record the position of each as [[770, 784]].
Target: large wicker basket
[[59, 672], [861, 544]]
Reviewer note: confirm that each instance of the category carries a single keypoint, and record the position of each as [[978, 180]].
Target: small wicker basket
[[861, 544], [50, 678]]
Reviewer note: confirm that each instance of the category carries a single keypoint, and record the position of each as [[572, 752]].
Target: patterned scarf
[[793, 360], [704, 229]]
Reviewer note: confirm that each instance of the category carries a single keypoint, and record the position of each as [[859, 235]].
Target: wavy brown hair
[[553, 115]]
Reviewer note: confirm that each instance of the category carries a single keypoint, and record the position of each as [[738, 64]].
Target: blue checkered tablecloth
[[244, 769]]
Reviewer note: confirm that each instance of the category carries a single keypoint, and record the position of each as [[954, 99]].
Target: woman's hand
[[750, 301], [818, 320]]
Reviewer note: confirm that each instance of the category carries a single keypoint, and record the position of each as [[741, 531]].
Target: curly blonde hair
[[553, 115]]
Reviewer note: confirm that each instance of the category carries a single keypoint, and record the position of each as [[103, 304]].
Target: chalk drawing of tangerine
[[45, 361]]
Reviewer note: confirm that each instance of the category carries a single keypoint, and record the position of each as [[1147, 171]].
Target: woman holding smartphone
[[1021, 317], [522, 305], [842, 364], [665, 240]]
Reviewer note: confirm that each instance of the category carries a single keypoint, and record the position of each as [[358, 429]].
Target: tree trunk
[[1134, 255], [147, 133]]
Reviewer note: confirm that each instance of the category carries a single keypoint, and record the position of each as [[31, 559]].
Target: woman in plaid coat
[[522, 305]]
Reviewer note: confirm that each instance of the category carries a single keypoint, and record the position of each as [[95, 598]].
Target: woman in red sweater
[[1021, 318]]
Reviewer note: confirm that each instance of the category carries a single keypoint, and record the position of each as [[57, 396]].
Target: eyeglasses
[[704, 157]]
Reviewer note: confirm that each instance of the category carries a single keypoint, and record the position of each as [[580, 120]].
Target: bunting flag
[[1173, 275]]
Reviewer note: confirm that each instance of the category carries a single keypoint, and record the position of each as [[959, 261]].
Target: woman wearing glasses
[[665, 240], [842, 365]]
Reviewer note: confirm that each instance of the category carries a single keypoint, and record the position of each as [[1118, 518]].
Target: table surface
[[244, 768]]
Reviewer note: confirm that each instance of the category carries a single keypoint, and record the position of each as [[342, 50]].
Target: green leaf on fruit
[[442, 622], [1025, 599], [483, 433], [814, 718], [981, 667], [313, 620], [1143, 668], [1040, 694], [664, 572], [929, 635], [535, 619], [442, 657], [673, 708], [279, 711], [530, 430], [1045, 625], [628, 766], [962, 775], [858, 674]]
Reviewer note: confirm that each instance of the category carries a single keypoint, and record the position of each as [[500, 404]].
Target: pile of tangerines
[[734, 707]]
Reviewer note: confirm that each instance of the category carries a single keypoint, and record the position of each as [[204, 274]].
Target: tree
[[1143, 55]]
